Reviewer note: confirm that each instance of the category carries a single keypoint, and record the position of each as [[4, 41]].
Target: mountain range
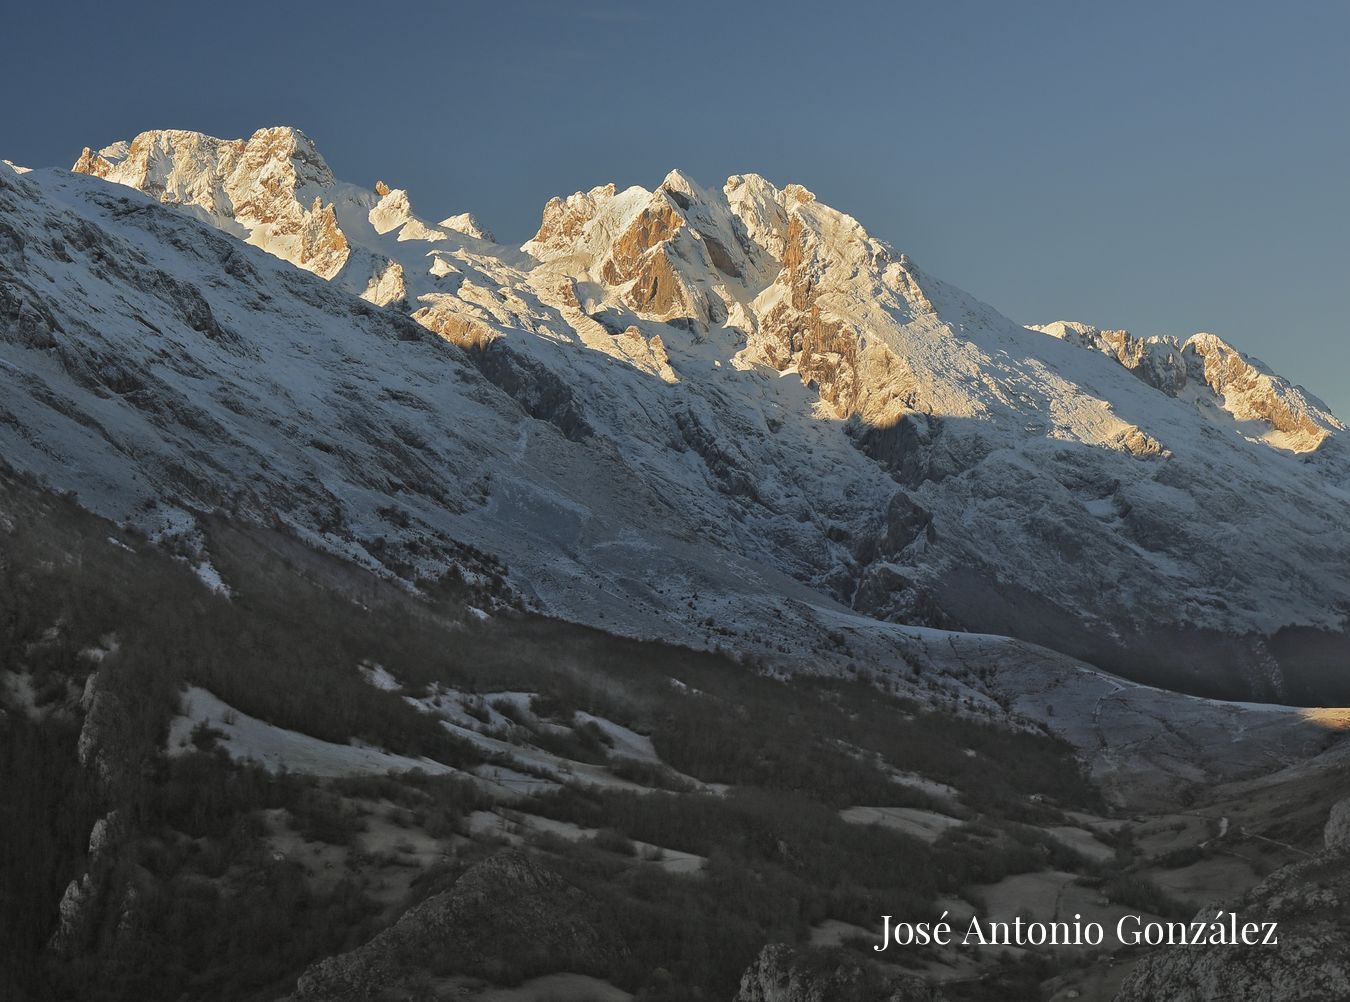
[[723, 398]]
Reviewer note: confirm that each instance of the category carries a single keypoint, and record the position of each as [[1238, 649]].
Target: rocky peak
[[566, 221], [680, 187], [1249, 391], [649, 256], [639, 243], [290, 150], [272, 185], [703, 255], [1217, 374], [760, 208], [468, 224], [166, 162]]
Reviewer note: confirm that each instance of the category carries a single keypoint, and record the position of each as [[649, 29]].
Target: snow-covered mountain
[[676, 412]]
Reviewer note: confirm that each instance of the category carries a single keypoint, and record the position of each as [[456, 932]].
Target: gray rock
[[1337, 833], [782, 974], [74, 915]]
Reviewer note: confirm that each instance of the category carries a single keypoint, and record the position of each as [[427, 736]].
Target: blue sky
[[1162, 167]]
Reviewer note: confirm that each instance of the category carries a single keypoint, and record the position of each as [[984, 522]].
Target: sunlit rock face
[[269, 186], [1216, 375]]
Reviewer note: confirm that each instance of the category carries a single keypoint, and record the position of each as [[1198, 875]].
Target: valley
[[642, 612]]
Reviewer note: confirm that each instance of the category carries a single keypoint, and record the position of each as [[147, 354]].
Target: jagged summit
[[798, 285], [802, 286], [174, 163], [268, 187]]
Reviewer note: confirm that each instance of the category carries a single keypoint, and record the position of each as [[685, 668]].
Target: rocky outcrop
[[658, 222], [98, 747], [505, 919], [906, 447], [647, 354], [75, 916], [1309, 900], [106, 833], [1251, 392], [101, 749], [24, 317], [796, 331], [323, 246], [79, 906], [98, 164], [1337, 833], [456, 326], [386, 285], [645, 257], [1138, 442], [722, 459], [782, 974], [907, 524]]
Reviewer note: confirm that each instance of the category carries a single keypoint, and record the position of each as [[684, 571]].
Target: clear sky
[[1164, 167]]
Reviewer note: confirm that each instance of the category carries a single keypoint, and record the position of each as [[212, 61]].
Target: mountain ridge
[[935, 463]]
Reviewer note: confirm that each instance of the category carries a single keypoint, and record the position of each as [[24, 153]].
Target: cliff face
[[1311, 902]]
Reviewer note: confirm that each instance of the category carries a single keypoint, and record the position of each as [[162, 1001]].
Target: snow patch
[[379, 676], [276, 748], [209, 576]]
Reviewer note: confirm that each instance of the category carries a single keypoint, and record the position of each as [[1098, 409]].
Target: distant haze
[[1159, 167]]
